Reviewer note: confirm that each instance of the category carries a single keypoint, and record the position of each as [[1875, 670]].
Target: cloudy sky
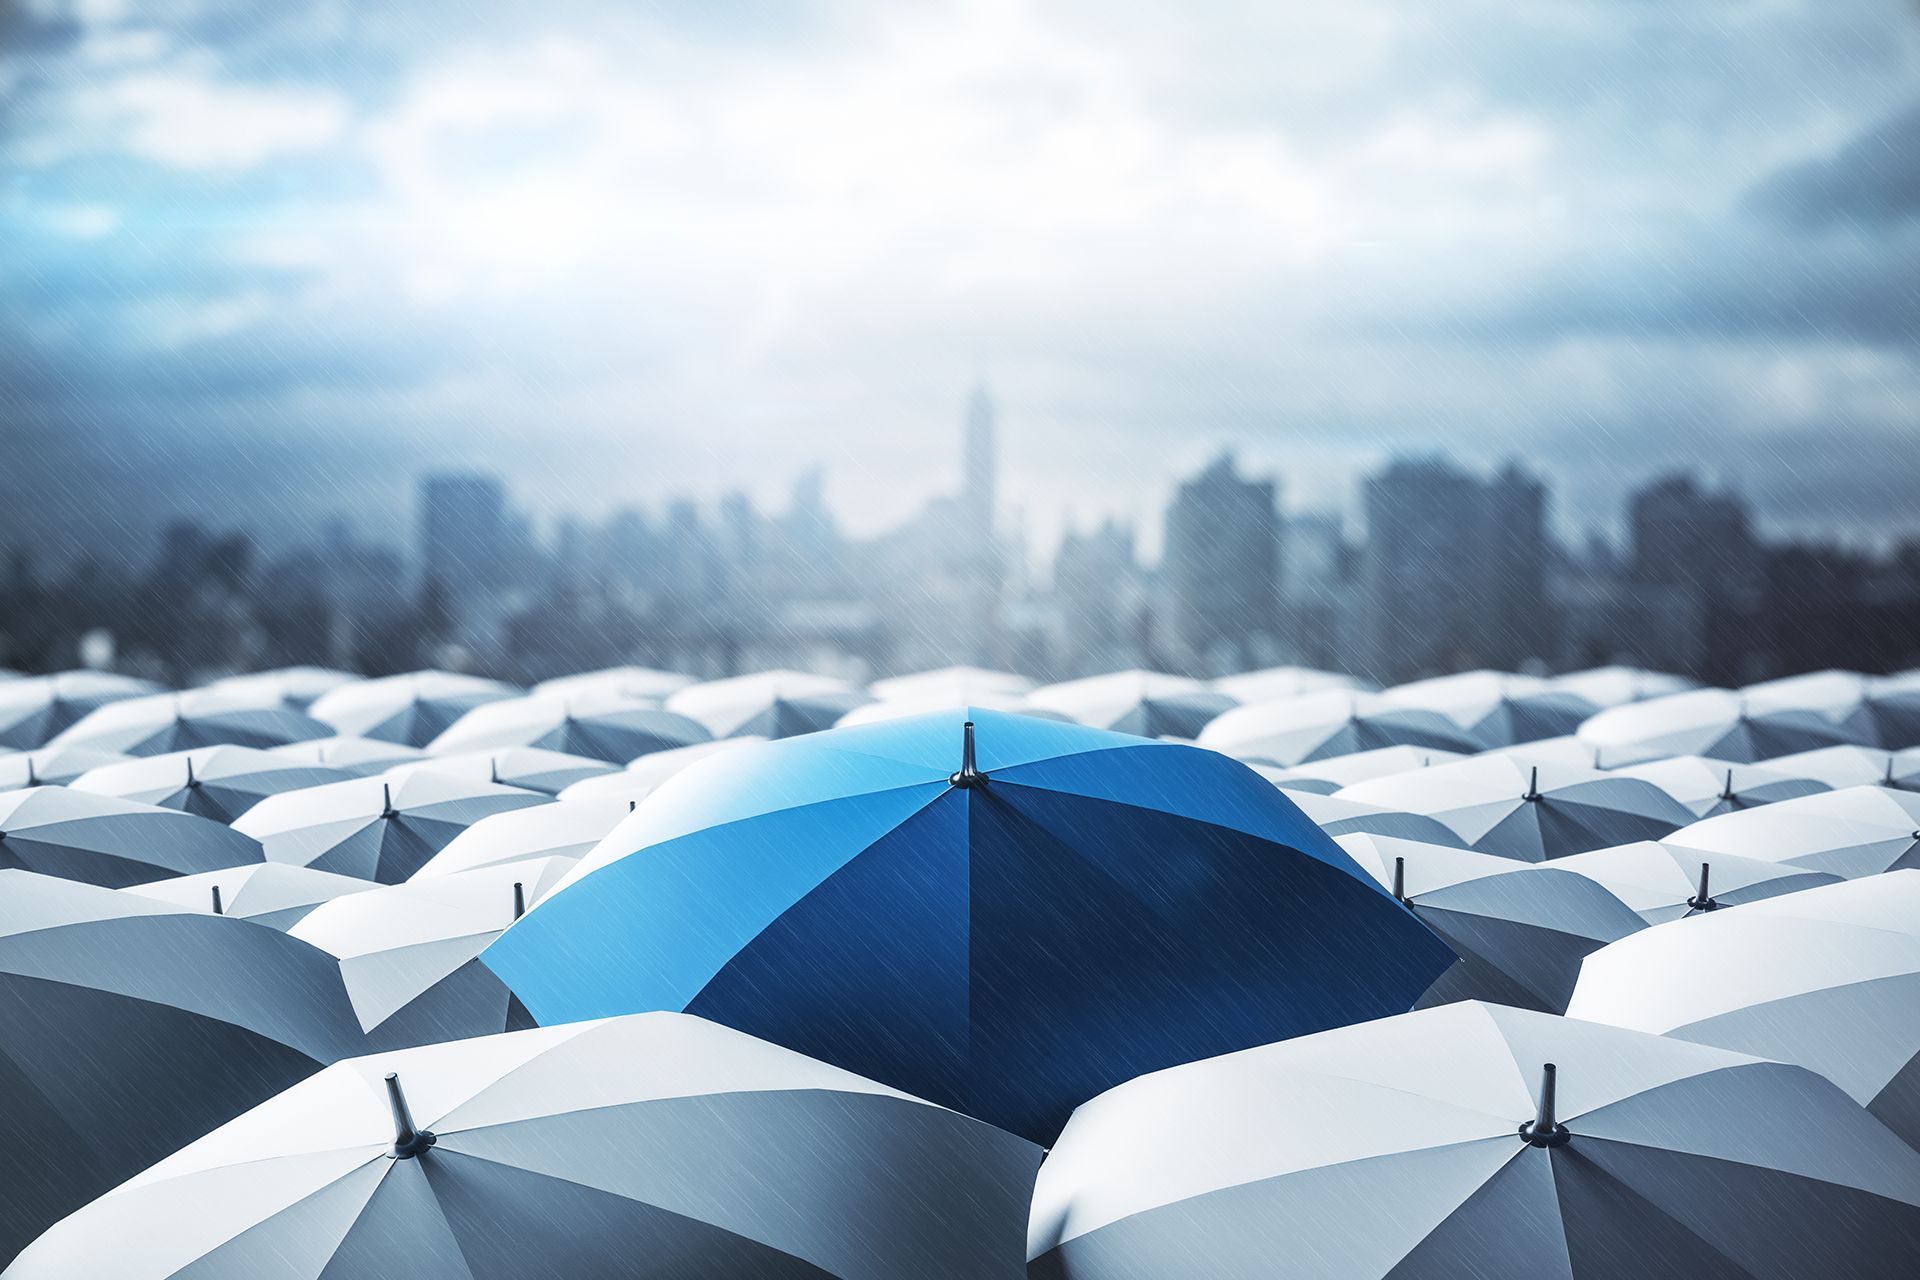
[[270, 263]]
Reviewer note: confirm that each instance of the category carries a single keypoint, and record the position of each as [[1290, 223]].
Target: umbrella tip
[[386, 801], [218, 909], [519, 899], [1544, 1130], [493, 769], [969, 775], [1400, 879], [408, 1141], [1703, 900], [192, 782], [33, 779], [1533, 785], [1726, 789], [632, 805]]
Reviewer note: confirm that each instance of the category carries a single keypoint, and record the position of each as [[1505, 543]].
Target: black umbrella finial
[[1726, 790], [493, 769], [218, 909], [519, 899], [1533, 785], [33, 778], [408, 1141], [1400, 879], [632, 805], [969, 776], [1544, 1130], [192, 782], [386, 801], [1703, 900]]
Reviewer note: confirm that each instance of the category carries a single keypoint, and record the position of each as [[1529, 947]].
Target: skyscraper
[[1222, 567], [463, 532]]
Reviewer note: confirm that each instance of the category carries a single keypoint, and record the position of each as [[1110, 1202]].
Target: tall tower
[[977, 496]]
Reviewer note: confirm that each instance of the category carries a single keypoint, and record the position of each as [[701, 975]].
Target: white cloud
[[197, 121]]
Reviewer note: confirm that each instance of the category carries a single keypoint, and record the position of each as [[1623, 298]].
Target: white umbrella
[[1855, 831], [952, 686], [1316, 726], [1709, 722], [1664, 883], [639, 779], [1287, 682], [1334, 772], [107, 841], [1616, 686], [1845, 767], [1519, 929], [414, 708], [1476, 1141], [900, 708], [1871, 710], [650, 1145], [375, 828], [1828, 978], [532, 768], [165, 722], [360, 757], [1568, 750], [568, 829], [626, 682], [407, 952], [1707, 787], [771, 704], [267, 893], [1497, 708], [51, 766], [1338, 816], [34, 710], [214, 782], [1148, 704], [295, 687], [1498, 804], [610, 727]]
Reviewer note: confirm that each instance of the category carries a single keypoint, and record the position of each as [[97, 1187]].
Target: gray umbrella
[[376, 828], [51, 766], [1855, 831], [770, 704], [107, 841], [1845, 767], [1334, 772], [1709, 722], [655, 1145], [1872, 709], [610, 727], [133, 1027], [1150, 704], [1474, 1142], [220, 783], [33, 711], [1520, 929], [1707, 787], [1497, 708], [1505, 805], [1662, 882], [360, 757], [272, 894], [295, 687], [1315, 726], [1338, 816], [529, 768], [414, 708], [166, 722]]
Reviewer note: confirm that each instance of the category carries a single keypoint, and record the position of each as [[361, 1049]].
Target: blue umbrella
[[1006, 932]]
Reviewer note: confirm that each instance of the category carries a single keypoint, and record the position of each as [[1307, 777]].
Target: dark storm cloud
[[1872, 183]]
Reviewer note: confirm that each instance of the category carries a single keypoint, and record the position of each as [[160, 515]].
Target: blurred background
[[1394, 336]]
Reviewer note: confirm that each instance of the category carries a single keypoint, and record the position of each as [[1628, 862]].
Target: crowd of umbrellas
[[313, 976]]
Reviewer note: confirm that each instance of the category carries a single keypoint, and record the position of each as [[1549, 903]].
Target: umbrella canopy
[[656, 1145], [1499, 804], [414, 708], [34, 710], [639, 779], [1317, 726], [267, 893], [1150, 704], [407, 952], [624, 682], [610, 727], [376, 828], [530, 768], [164, 722], [1706, 787], [1855, 831], [1497, 708], [1476, 1141], [1287, 682], [360, 757], [1567, 749], [1006, 932], [214, 782], [1663, 883], [107, 841], [133, 1027], [1709, 722], [901, 708], [51, 766], [1616, 686], [1338, 816], [1519, 929], [1882, 712], [567, 829], [295, 687], [1840, 767], [772, 704], [952, 686], [1334, 772], [1828, 978]]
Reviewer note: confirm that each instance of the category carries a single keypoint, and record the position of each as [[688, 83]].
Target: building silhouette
[[1220, 569]]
